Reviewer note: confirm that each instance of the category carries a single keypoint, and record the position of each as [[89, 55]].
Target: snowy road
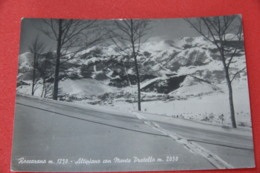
[[48, 130], [234, 146]]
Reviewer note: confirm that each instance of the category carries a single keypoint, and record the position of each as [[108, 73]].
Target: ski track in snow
[[190, 146]]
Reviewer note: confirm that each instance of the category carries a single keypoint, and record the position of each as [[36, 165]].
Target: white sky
[[161, 29]]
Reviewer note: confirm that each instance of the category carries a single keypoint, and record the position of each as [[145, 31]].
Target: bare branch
[[234, 76], [199, 29]]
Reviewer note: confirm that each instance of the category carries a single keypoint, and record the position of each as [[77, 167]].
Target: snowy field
[[207, 109], [211, 107]]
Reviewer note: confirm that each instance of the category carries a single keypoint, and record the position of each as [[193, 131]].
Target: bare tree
[[36, 48], [45, 70], [222, 31], [128, 36], [71, 36]]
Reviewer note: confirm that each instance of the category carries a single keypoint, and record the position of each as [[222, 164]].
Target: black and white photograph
[[122, 95]]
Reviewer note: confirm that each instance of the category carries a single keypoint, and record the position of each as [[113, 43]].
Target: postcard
[[126, 95]]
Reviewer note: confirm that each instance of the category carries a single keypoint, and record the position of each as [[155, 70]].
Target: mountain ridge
[[192, 56]]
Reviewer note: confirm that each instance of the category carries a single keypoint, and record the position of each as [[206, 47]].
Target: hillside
[[171, 71], [164, 65]]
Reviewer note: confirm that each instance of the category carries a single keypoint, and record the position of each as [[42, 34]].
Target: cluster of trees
[[41, 67], [72, 36]]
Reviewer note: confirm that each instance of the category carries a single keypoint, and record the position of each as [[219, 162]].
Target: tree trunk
[[138, 84], [43, 87], [57, 65], [34, 71], [136, 67], [230, 93], [231, 103]]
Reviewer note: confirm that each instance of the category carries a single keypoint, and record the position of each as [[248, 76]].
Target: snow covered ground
[[208, 107], [197, 100], [85, 87]]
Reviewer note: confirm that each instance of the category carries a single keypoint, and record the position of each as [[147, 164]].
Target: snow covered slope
[[182, 73], [84, 87], [193, 86]]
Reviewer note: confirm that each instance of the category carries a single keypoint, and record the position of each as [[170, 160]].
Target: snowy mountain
[[195, 56], [180, 67], [182, 77]]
